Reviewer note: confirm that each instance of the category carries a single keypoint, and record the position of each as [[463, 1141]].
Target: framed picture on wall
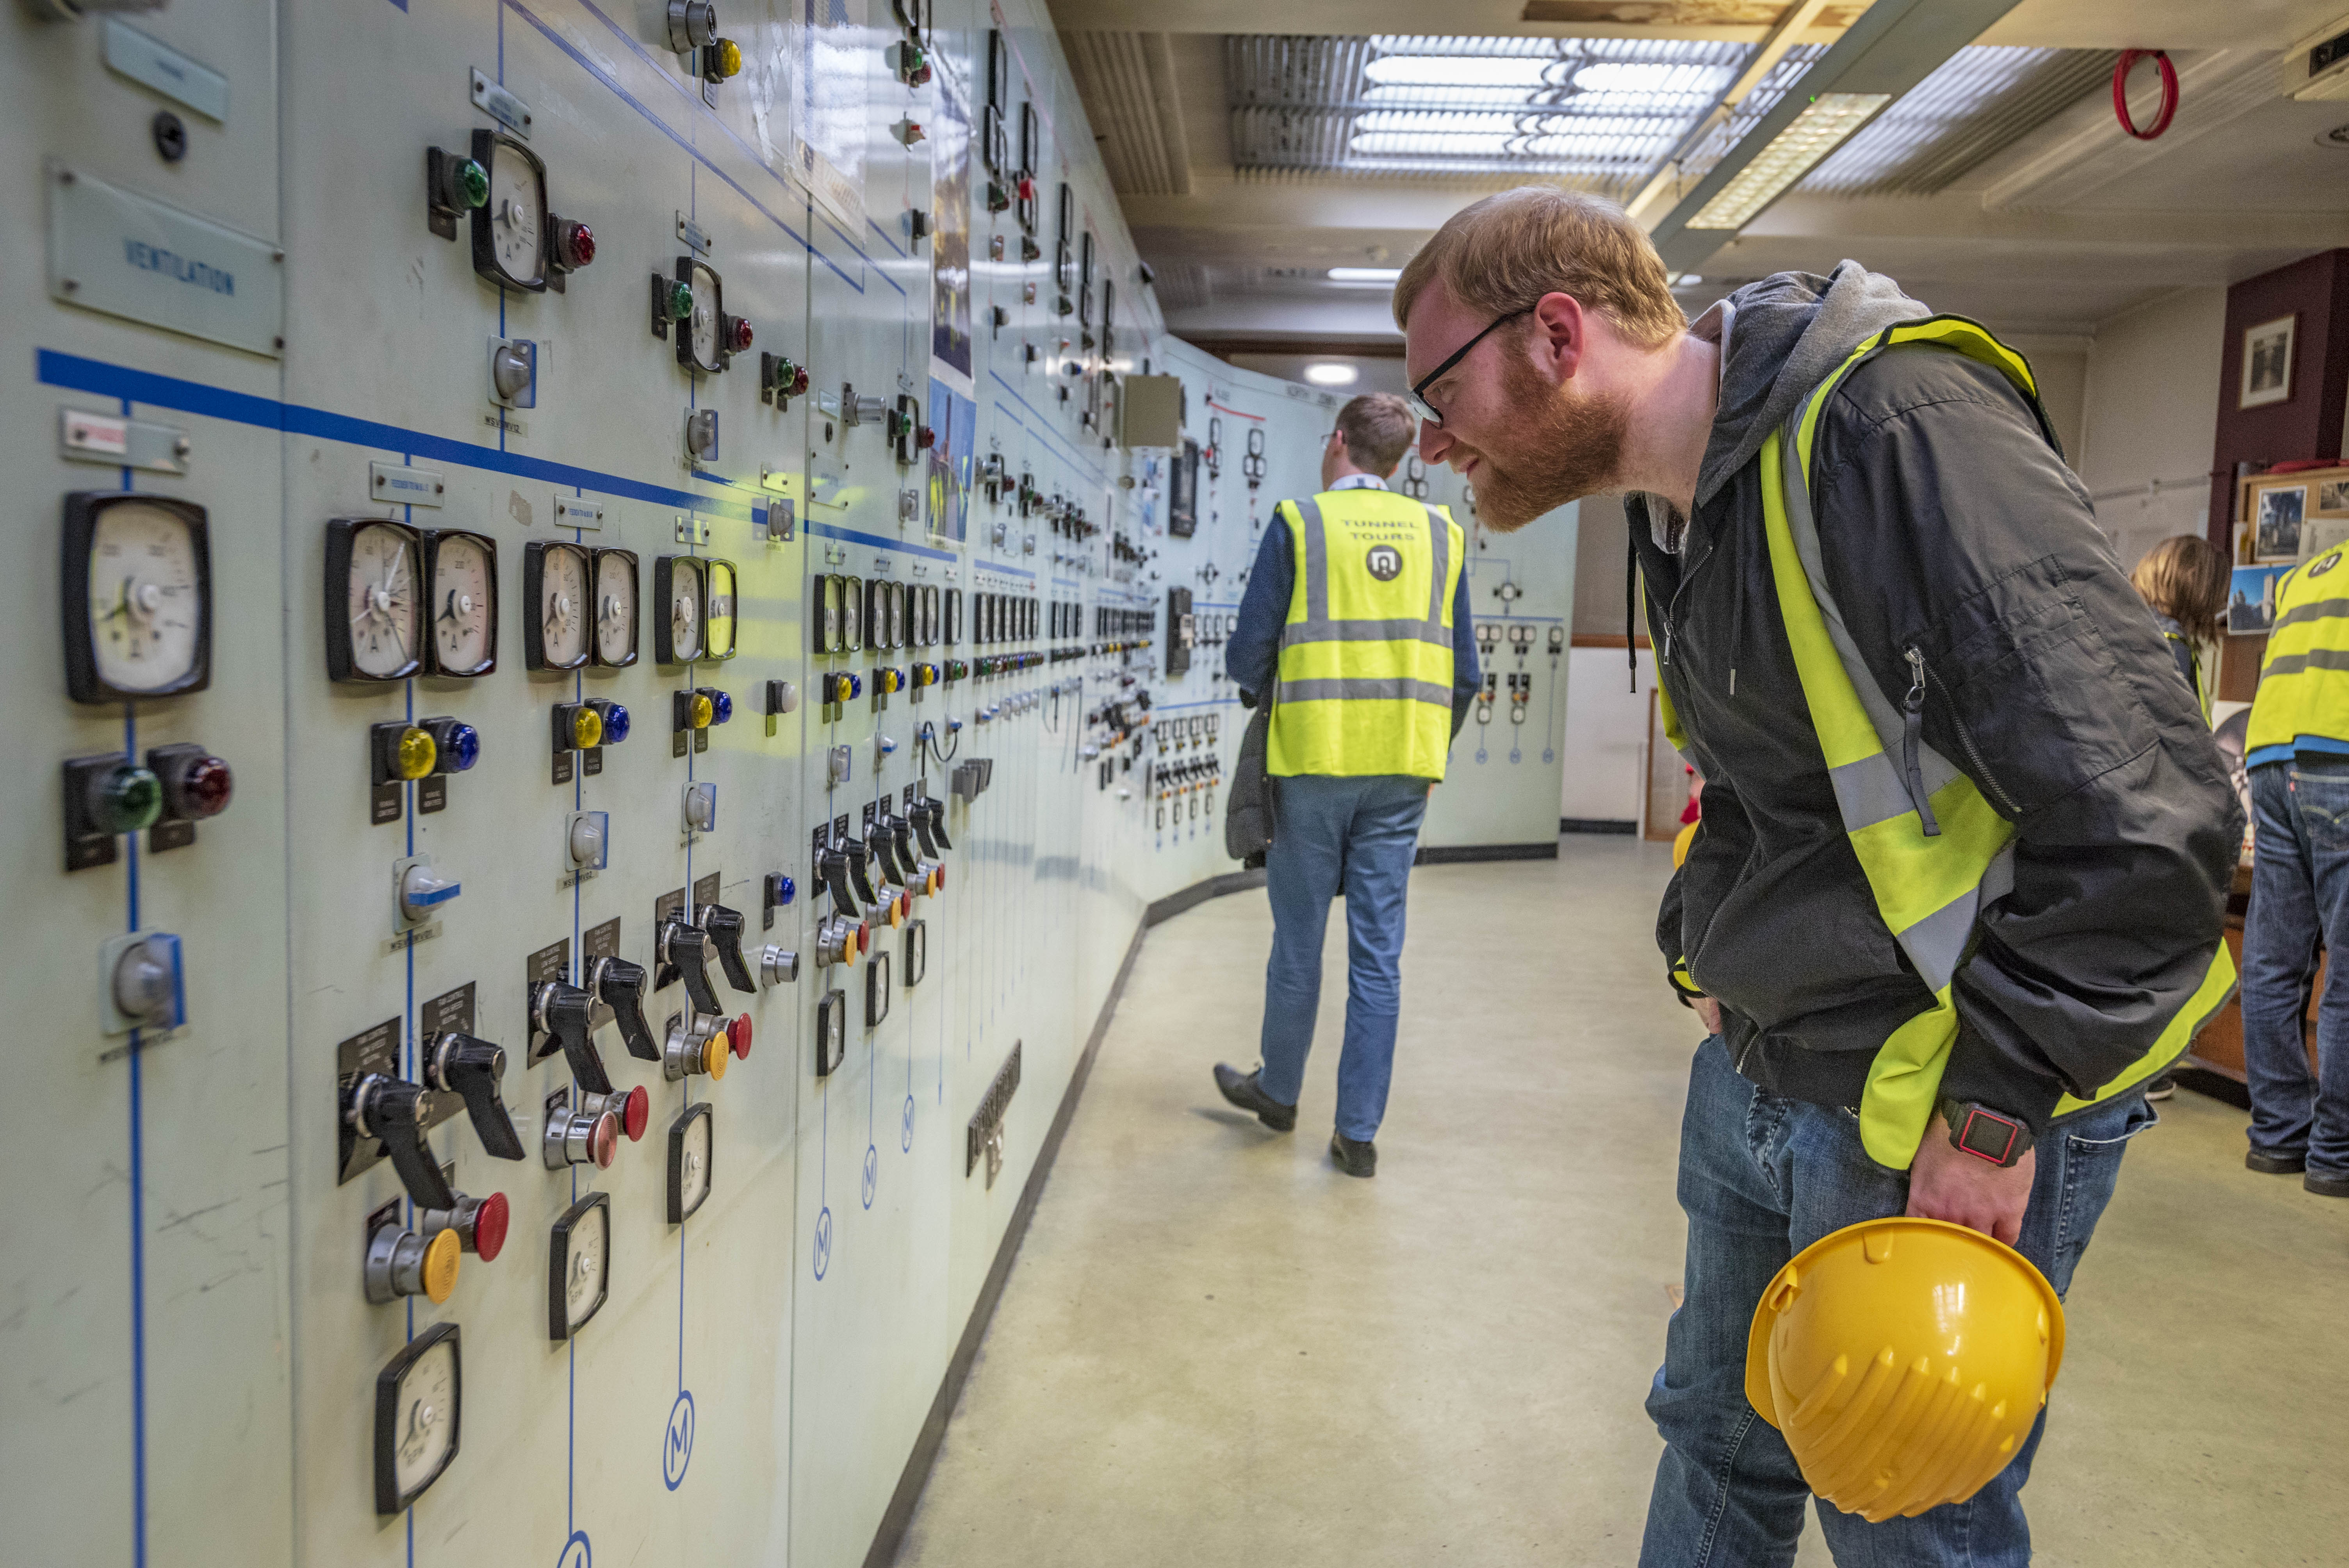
[[2251, 600], [2267, 362], [2281, 510], [2332, 498]]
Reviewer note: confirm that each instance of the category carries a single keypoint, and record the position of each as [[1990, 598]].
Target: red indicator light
[[575, 244], [489, 1221], [924, 438], [205, 789], [738, 335]]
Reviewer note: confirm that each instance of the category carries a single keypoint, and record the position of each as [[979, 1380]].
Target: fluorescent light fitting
[[1329, 374], [1460, 71], [1688, 280], [1364, 276], [1818, 130]]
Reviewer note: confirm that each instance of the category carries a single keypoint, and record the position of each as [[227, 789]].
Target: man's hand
[[1709, 1011], [1947, 1183]]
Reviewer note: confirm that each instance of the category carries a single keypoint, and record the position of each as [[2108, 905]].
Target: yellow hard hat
[[1905, 1360], [1681, 843]]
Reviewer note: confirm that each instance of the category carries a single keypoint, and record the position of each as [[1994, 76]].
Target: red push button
[[635, 1111], [603, 1143], [738, 1036], [490, 1222]]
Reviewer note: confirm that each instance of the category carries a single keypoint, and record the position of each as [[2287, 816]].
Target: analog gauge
[[681, 602], [417, 1399], [827, 612], [375, 600], [876, 613], [852, 619], [463, 571], [509, 228], [138, 596], [579, 1264], [616, 608], [689, 1138], [554, 578], [717, 616], [701, 336]]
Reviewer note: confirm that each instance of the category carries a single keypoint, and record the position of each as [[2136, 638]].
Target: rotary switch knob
[[725, 928], [474, 1069], [685, 947], [396, 1112], [565, 1013], [621, 985]]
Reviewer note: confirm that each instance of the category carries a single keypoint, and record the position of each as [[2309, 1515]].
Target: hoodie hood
[[1785, 335]]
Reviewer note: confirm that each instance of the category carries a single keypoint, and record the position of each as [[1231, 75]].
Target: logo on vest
[[1385, 562], [2325, 565]]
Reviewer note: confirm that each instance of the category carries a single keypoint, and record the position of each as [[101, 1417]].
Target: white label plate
[[114, 251]]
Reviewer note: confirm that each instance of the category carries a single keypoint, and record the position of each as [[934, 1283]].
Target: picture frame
[[2332, 498], [2250, 599], [2278, 514], [2268, 362]]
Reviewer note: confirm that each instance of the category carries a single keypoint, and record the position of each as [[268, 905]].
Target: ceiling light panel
[[1809, 137], [1593, 112]]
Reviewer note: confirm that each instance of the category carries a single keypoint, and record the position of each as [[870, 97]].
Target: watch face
[[579, 1264], [510, 229], [682, 589], [374, 601], [718, 617], [463, 568], [689, 1140], [697, 341], [556, 577], [142, 625], [616, 608], [416, 1405]]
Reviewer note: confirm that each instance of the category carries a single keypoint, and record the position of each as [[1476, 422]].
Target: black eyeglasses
[[1416, 397]]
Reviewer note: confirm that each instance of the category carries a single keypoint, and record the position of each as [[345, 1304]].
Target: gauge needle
[[451, 612]]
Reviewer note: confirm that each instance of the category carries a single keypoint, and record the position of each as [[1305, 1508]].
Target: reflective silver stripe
[[1441, 537], [1413, 630], [1398, 689], [2323, 610], [1869, 792], [1317, 561], [2314, 659], [1935, 944]]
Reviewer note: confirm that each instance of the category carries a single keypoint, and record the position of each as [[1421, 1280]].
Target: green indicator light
[[472, 183], [680, 301], [127, 799]]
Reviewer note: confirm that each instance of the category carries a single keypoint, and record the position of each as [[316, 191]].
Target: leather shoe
[[2326, 1186], [1243, 1090], [1354, 1159], [2275, 1164]]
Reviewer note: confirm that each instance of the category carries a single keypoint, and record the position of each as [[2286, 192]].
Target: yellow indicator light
[[701, 710], [715, 1055], [416, 754], [729, 60], [586, 728], [440, 1259]]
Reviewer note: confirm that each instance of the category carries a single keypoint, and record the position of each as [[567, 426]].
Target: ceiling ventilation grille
[[1979, 102], [1126, 81]]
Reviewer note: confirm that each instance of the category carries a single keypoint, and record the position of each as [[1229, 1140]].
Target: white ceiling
[[2069, 227]]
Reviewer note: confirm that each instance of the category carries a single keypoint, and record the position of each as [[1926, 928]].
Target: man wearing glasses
[[1355, 627], [1966, 844]]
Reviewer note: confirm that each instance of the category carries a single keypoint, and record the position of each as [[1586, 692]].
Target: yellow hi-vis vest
[[2304, 674], [1930, 888], [1365, 673], [2194, 661]]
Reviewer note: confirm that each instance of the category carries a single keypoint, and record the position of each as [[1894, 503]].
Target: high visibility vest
[[1365, 673], [2305, 675], [1930, 885], [2194, 662]]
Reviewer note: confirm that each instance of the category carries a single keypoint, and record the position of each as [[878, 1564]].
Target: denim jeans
[[1359, 835], [1762, 1178], [2300, 896]]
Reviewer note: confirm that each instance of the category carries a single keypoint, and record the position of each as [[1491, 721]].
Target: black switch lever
[[475, 1069], [687, 947], [857, 856], [566, 1014], [918, 815], [937, 813], [725, 928], [884, 854], [394, 1112], [620, 985], [831, 869], [901, 835]]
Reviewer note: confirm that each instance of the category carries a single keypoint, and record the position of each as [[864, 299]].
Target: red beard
[[1568, 446]]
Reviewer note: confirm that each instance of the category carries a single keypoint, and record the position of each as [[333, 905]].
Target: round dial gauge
[[588, 1254], [464, 605], [684, 609], [615, 607], [146, 602], [701, 329], [517, 209], [563, 607], [717, 618], [382, 596]]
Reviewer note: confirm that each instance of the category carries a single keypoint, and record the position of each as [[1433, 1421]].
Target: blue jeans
[[2299, 897], [1762, 1178], [1357, 835]]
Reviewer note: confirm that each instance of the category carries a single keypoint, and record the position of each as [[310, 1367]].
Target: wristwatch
[[1991, 1136]]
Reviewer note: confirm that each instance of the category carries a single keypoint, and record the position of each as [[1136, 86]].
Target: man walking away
[[1967, 839], [1355, 627], [2297, 749]]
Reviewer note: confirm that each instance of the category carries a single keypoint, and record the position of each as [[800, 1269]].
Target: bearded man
[[1966, 842]]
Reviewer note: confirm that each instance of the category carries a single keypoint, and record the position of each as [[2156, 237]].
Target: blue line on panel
[[592, 68], [885, 236], [844, 240], [1040, 430], [855, 536], [56, 369], [1005, 409], [999, 566]]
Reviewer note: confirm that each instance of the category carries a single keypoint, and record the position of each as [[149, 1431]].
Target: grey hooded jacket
[[1950, 529]]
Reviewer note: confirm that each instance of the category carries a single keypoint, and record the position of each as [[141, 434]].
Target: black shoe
[[2275, 1164], [2161, 1088], [1354, 1159], [1243, 1090], [2326, 1186]]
